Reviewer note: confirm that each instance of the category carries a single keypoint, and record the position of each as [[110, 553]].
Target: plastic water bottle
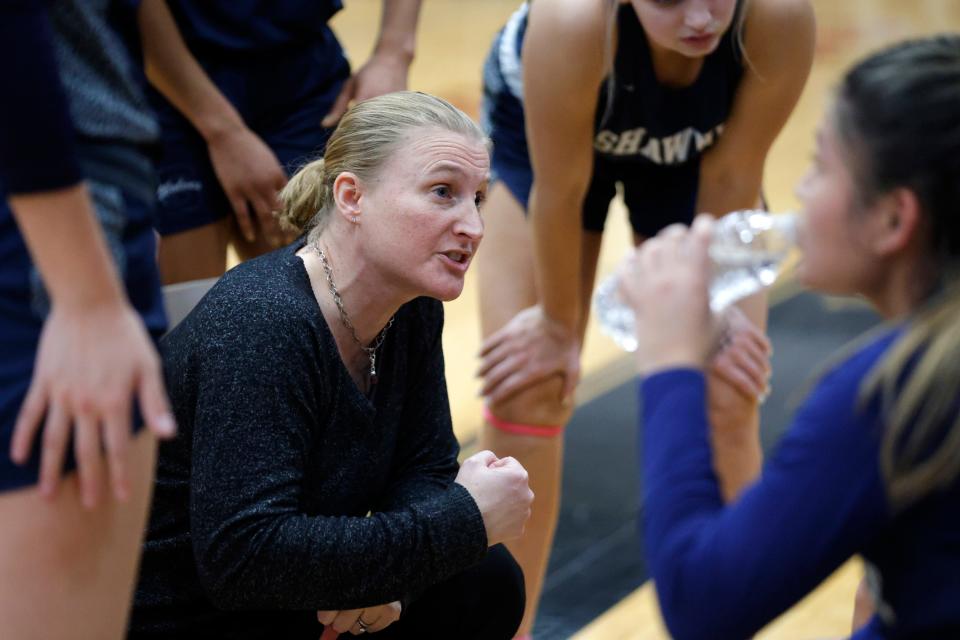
[[747, 251]]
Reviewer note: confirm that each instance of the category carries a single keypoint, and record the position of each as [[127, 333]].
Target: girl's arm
[[563, 67], [94, 358], [248, 171]]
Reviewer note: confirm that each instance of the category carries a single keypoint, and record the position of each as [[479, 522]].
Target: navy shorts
[[123, 199], [656, 196], [282, 97]]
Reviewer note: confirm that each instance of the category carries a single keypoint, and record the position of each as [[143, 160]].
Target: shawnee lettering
[[674, 149]]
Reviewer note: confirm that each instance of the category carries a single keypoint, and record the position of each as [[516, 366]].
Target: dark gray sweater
[[260, 507]]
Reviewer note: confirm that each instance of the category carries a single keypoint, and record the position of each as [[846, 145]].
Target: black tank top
[[649, 122]]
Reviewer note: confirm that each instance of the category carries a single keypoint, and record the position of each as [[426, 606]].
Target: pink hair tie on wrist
[[538, 430]]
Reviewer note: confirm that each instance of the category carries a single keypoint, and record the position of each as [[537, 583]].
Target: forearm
[[65, 241], [174, 71], [398, 29], [735, 420], [557, 238], [296, 561]]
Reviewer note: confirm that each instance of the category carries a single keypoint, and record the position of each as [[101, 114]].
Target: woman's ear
[[347, 192], [899, 221]]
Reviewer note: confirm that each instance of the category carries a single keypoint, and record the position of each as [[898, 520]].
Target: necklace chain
[[345, 317]]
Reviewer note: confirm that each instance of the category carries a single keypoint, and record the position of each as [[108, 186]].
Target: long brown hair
[[898, 117]]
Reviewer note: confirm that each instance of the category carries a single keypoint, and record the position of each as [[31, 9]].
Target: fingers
[[510, 385], [25, 429], [117, 440], [485, 458], [385, 616], [329, 633], [494, 340], [55, 434], [86, 449], [154, 405], [346, 620], [239, 205], [326, 617], [493, 357], [269, 225], [340, 105], [494, 377]]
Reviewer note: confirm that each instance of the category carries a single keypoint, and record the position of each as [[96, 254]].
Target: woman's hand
[[90, 363], [501, 489], [665, 282], [358, 621], [529, 349], [251, 178]]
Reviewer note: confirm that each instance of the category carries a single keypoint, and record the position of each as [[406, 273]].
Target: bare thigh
[[66, 572], [195, 254]]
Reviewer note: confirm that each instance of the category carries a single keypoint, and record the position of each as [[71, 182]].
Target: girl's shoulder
[[778, 34], [575, 23]]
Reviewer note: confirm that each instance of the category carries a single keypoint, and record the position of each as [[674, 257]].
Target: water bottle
[[747, 250]]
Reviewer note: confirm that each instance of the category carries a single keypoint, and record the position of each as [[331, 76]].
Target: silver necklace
[[371, 351]]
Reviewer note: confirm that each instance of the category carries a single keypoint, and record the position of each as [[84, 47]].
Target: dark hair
[[897, 116]]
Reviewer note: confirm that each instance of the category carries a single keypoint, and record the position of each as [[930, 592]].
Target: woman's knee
[[504, 592]]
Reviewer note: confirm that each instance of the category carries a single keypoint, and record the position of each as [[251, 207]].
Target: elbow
[[225, 589], [226, 575]]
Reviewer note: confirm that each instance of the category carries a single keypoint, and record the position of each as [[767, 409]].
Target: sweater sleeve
[[725, 571], [253, 545], [36, 133]]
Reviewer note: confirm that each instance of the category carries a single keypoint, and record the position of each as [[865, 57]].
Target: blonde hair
[[365, 138]]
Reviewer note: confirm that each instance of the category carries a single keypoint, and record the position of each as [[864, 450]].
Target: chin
[[443, 291], [447, 294]]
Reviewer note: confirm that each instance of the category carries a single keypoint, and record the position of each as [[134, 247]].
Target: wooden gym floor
[[453, 39]]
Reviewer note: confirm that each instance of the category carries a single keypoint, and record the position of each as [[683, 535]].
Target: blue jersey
[[251, 26], [724, 571]]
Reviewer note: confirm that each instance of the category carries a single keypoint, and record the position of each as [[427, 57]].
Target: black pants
[[484, 602]]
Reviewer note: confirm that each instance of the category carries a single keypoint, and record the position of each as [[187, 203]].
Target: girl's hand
[[665, 282], [251, 178], [529, 349], [91, 363], [742, 356]]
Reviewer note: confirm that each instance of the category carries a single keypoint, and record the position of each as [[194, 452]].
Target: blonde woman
[[316, 479], [871, 464], [676, 103]]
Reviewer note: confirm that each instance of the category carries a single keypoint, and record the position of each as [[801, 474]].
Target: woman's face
[[421, 214], [833, 231], [692, 28]]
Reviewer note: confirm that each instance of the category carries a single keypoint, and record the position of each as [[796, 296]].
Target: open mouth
[[460, 257]]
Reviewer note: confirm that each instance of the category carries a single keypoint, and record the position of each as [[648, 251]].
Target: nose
[[470, 223], [698, 16]]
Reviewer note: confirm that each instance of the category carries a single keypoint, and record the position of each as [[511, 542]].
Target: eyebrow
[[449, 167]]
